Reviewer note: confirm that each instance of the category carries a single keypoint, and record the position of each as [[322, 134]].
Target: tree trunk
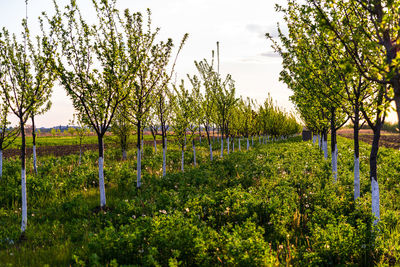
[[333, 144], [356, 155], [397, 102], [23, 179], [124, 155], [101, 172], [319, 141], [209, 140], [155, 146], [248, 143], [164, 155], [139, 157], [34, 145], [222, 147], [183, 159], [373, 173], [325, 144], [227, 142], [211, 152]]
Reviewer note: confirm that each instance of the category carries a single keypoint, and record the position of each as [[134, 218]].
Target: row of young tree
[[118, 76], [340, 59], [208, 108]]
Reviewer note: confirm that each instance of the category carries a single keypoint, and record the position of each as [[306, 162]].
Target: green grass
[[275, 204]]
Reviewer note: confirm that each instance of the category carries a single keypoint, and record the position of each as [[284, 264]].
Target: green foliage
[[183, 114], [273, 204], [274, 121]]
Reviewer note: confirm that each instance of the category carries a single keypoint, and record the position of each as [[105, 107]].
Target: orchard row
[[118, 76], [341, 60]]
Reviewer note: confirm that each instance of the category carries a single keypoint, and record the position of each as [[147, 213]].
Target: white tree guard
[[211, 152], [356, 177], [222, 147], [325, 147], [101, 182], [334, 165], [24, 220], [164, 169], [375, 200], [34, 159], [183, 161]]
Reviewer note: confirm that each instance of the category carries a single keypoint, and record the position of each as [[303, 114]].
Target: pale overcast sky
[[238, 25]]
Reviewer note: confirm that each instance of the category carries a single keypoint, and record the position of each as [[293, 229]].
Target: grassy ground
[[275, 204]]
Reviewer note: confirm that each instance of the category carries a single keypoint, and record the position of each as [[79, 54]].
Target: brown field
[[390, 140], [65, 150]]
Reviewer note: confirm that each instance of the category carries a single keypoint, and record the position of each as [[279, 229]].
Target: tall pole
[[218, 56]]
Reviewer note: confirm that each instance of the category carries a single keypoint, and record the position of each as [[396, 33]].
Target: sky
[[238, 25]]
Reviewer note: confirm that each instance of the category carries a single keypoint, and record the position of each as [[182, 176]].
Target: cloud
[[258, 29], [261, 30], [270, 54]]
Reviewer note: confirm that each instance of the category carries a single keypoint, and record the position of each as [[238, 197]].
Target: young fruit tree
[[82, 131], [163, 110], [197, 118], [248, 120], [26, 82], [95, 67], [225, 100], [343, 48], [369, 32], [122, 128], [151, 77], [183, 114], [206, 99], [315, 56]]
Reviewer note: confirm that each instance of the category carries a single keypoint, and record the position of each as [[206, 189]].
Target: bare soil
[[389, 140], [63, 150]]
